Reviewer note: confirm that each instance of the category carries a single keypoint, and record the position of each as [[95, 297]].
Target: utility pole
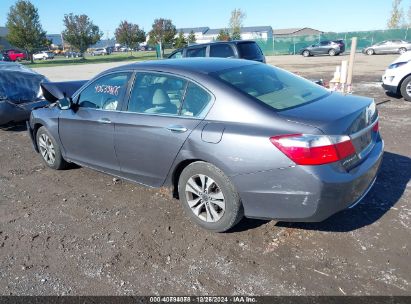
[[351, 65]]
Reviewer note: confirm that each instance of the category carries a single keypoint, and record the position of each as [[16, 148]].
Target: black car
[[326, 47], [224, 49]]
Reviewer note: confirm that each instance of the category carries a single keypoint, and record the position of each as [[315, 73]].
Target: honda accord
[[231, 138]]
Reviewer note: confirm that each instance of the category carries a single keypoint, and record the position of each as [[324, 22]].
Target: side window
[[324, 43], [177, 55], [105, 93], [157, 94], [196, 52], [195, 101], [221, 50]]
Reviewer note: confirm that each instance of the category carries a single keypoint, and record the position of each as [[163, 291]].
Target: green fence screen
[[280, 45]]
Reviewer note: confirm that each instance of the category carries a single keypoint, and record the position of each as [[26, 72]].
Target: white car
[[100, 51], [43, 55], [397, 77]]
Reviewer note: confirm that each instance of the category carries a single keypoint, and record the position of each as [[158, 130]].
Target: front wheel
[[209, 197], [370, 52], [406, 88], [49, 150], [402, 50]]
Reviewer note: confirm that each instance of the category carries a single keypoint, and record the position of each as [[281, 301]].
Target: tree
[[409, 16], [396, 16], [180, 41], [163, 31], [224, 35], [25, 30], [129, 34], [236, 23], [80, 32], [192, 37]]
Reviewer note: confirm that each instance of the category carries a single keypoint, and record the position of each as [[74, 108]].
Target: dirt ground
[[79, 232]]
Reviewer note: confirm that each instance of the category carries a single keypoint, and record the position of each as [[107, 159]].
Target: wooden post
[[351, 65]]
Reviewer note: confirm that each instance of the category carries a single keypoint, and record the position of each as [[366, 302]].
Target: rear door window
[[157, 94], [195, 101], [196, 52], [221, 50], [249, 50]]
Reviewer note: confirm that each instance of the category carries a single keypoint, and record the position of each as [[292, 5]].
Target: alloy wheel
[[47, 149], [205, 198]]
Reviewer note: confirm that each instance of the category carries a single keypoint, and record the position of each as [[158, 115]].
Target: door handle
[[104, 121], [177, 128]]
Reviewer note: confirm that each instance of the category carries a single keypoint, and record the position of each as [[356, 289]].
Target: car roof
[[200, 65]]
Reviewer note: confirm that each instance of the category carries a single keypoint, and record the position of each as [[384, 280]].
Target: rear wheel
[[306, 53], [402, 50], [370, 52], [332, 52], [209, 197], [49, 150], [406, 88]]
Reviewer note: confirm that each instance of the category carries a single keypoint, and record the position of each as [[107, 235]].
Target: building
[[56, 40], [198, 31], [293, 32], [247, 33], [4, 44]]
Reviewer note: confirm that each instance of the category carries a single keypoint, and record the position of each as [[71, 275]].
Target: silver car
[[388, 47], [230, 137]]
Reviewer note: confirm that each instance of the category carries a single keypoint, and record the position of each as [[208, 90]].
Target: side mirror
[[65, 103]]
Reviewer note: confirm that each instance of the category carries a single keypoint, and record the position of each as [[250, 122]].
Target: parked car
[[388, 47], [232, 138], [225, 49], [99, 51], [15, 55], [19, 92], [327, 47], [4, 57], [71, 54], [44, 55], [397, 77]]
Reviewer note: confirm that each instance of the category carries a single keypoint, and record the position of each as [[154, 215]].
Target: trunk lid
[[339, 114]]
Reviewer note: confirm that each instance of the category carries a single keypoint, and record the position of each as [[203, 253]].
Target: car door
[[87, 131], [162, 111]]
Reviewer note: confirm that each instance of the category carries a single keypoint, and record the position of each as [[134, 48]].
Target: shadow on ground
[[391, 183]]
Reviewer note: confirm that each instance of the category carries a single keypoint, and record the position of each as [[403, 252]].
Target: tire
[[332, 52], [370, 52], [49, 150], [406, 88], [203, 184], [402, 50], [306, 53]]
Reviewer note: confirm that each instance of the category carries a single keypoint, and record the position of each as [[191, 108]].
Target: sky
[[324, 15]]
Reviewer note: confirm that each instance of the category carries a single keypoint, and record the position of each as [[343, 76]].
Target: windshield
[[276, 88]]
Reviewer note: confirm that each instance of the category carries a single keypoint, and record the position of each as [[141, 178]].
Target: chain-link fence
[[280, 45]]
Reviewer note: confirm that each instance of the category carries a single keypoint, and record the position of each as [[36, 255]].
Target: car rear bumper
[[307, 193]]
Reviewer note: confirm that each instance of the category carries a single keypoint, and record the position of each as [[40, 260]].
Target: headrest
[[160, 97]]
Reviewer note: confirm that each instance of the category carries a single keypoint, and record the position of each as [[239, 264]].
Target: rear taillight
[[306, 149], [376, 127]]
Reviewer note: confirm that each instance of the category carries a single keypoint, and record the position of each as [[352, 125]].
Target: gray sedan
[[388, 47], [230, 137]]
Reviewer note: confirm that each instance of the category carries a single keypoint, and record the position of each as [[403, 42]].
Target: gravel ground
[[80, 232]]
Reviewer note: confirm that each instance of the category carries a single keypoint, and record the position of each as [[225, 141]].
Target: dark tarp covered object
[[19, 92]]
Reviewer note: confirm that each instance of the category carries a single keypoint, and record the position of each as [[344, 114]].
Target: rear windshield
[[276, 88], [249, 50]]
